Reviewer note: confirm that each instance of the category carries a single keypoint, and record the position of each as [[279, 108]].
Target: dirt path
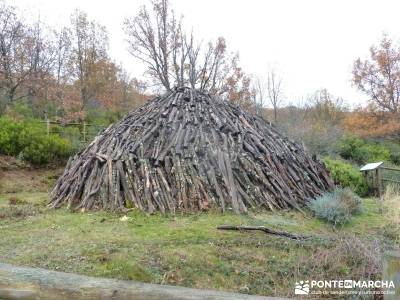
[[19, 178]]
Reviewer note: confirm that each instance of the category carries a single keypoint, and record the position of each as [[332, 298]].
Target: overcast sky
[[312, 43]]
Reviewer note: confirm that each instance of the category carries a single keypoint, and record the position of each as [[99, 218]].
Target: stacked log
[[188, 151]]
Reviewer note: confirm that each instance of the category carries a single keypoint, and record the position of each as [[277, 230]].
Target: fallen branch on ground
[[263, 229]]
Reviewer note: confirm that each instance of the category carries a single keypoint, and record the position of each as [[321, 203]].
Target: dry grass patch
[[391, 212], [20, 211]]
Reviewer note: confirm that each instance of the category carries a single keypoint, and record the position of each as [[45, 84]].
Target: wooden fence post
[[380, 183], [48, 127], [84, 131]]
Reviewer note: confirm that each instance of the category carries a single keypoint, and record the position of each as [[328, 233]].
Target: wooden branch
[[263, 229]]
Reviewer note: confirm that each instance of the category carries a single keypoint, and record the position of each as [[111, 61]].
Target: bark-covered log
[[265, 230], [24, 283], [190, 151]]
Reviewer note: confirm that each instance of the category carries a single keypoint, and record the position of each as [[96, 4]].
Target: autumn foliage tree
[[88, 54], [68, 69], [325, 110], [20, 54], [371, 122], [237, 88], [379, 78]]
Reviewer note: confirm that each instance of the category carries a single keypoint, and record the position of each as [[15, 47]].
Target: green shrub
[[336, 207], [28, 139], [73, 135], [360, 151], [374, 152], [9, 136], [44, 149], [345, 175], [101, 117], [394, 150], [21, 109]]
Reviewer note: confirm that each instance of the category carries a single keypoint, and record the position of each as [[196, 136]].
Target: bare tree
[[217, 66], [258, 94], [173, 57], [42, 58], [324, 109], [316, 121], [62, 64], [89, 46], [26, 56], [156, 40], [14, 57], [274, 90], [69, 67]]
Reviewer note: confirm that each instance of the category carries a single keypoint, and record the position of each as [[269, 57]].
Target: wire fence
[[79, 134], [379, 177], [390, 175]]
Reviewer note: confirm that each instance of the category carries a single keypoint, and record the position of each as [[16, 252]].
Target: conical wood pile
[[189, 151]]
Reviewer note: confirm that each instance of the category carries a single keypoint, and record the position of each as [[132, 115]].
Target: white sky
[[312, 43]]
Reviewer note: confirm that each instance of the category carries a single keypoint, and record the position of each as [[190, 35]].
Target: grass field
[[184, 250]]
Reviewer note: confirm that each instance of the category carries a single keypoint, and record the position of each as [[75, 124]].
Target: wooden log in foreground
[[265, 230], [34, 283]]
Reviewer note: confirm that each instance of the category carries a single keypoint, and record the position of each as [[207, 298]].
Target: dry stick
[[263, 229]]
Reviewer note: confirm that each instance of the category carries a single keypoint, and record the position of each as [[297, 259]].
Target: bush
[[9, 136], [356, 149], [73, 135], [20, 109], [101, 117], [391, 212], [394, 150], [29, 140], [44, 149], [346, 253], [345, 175], [336, 207]]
